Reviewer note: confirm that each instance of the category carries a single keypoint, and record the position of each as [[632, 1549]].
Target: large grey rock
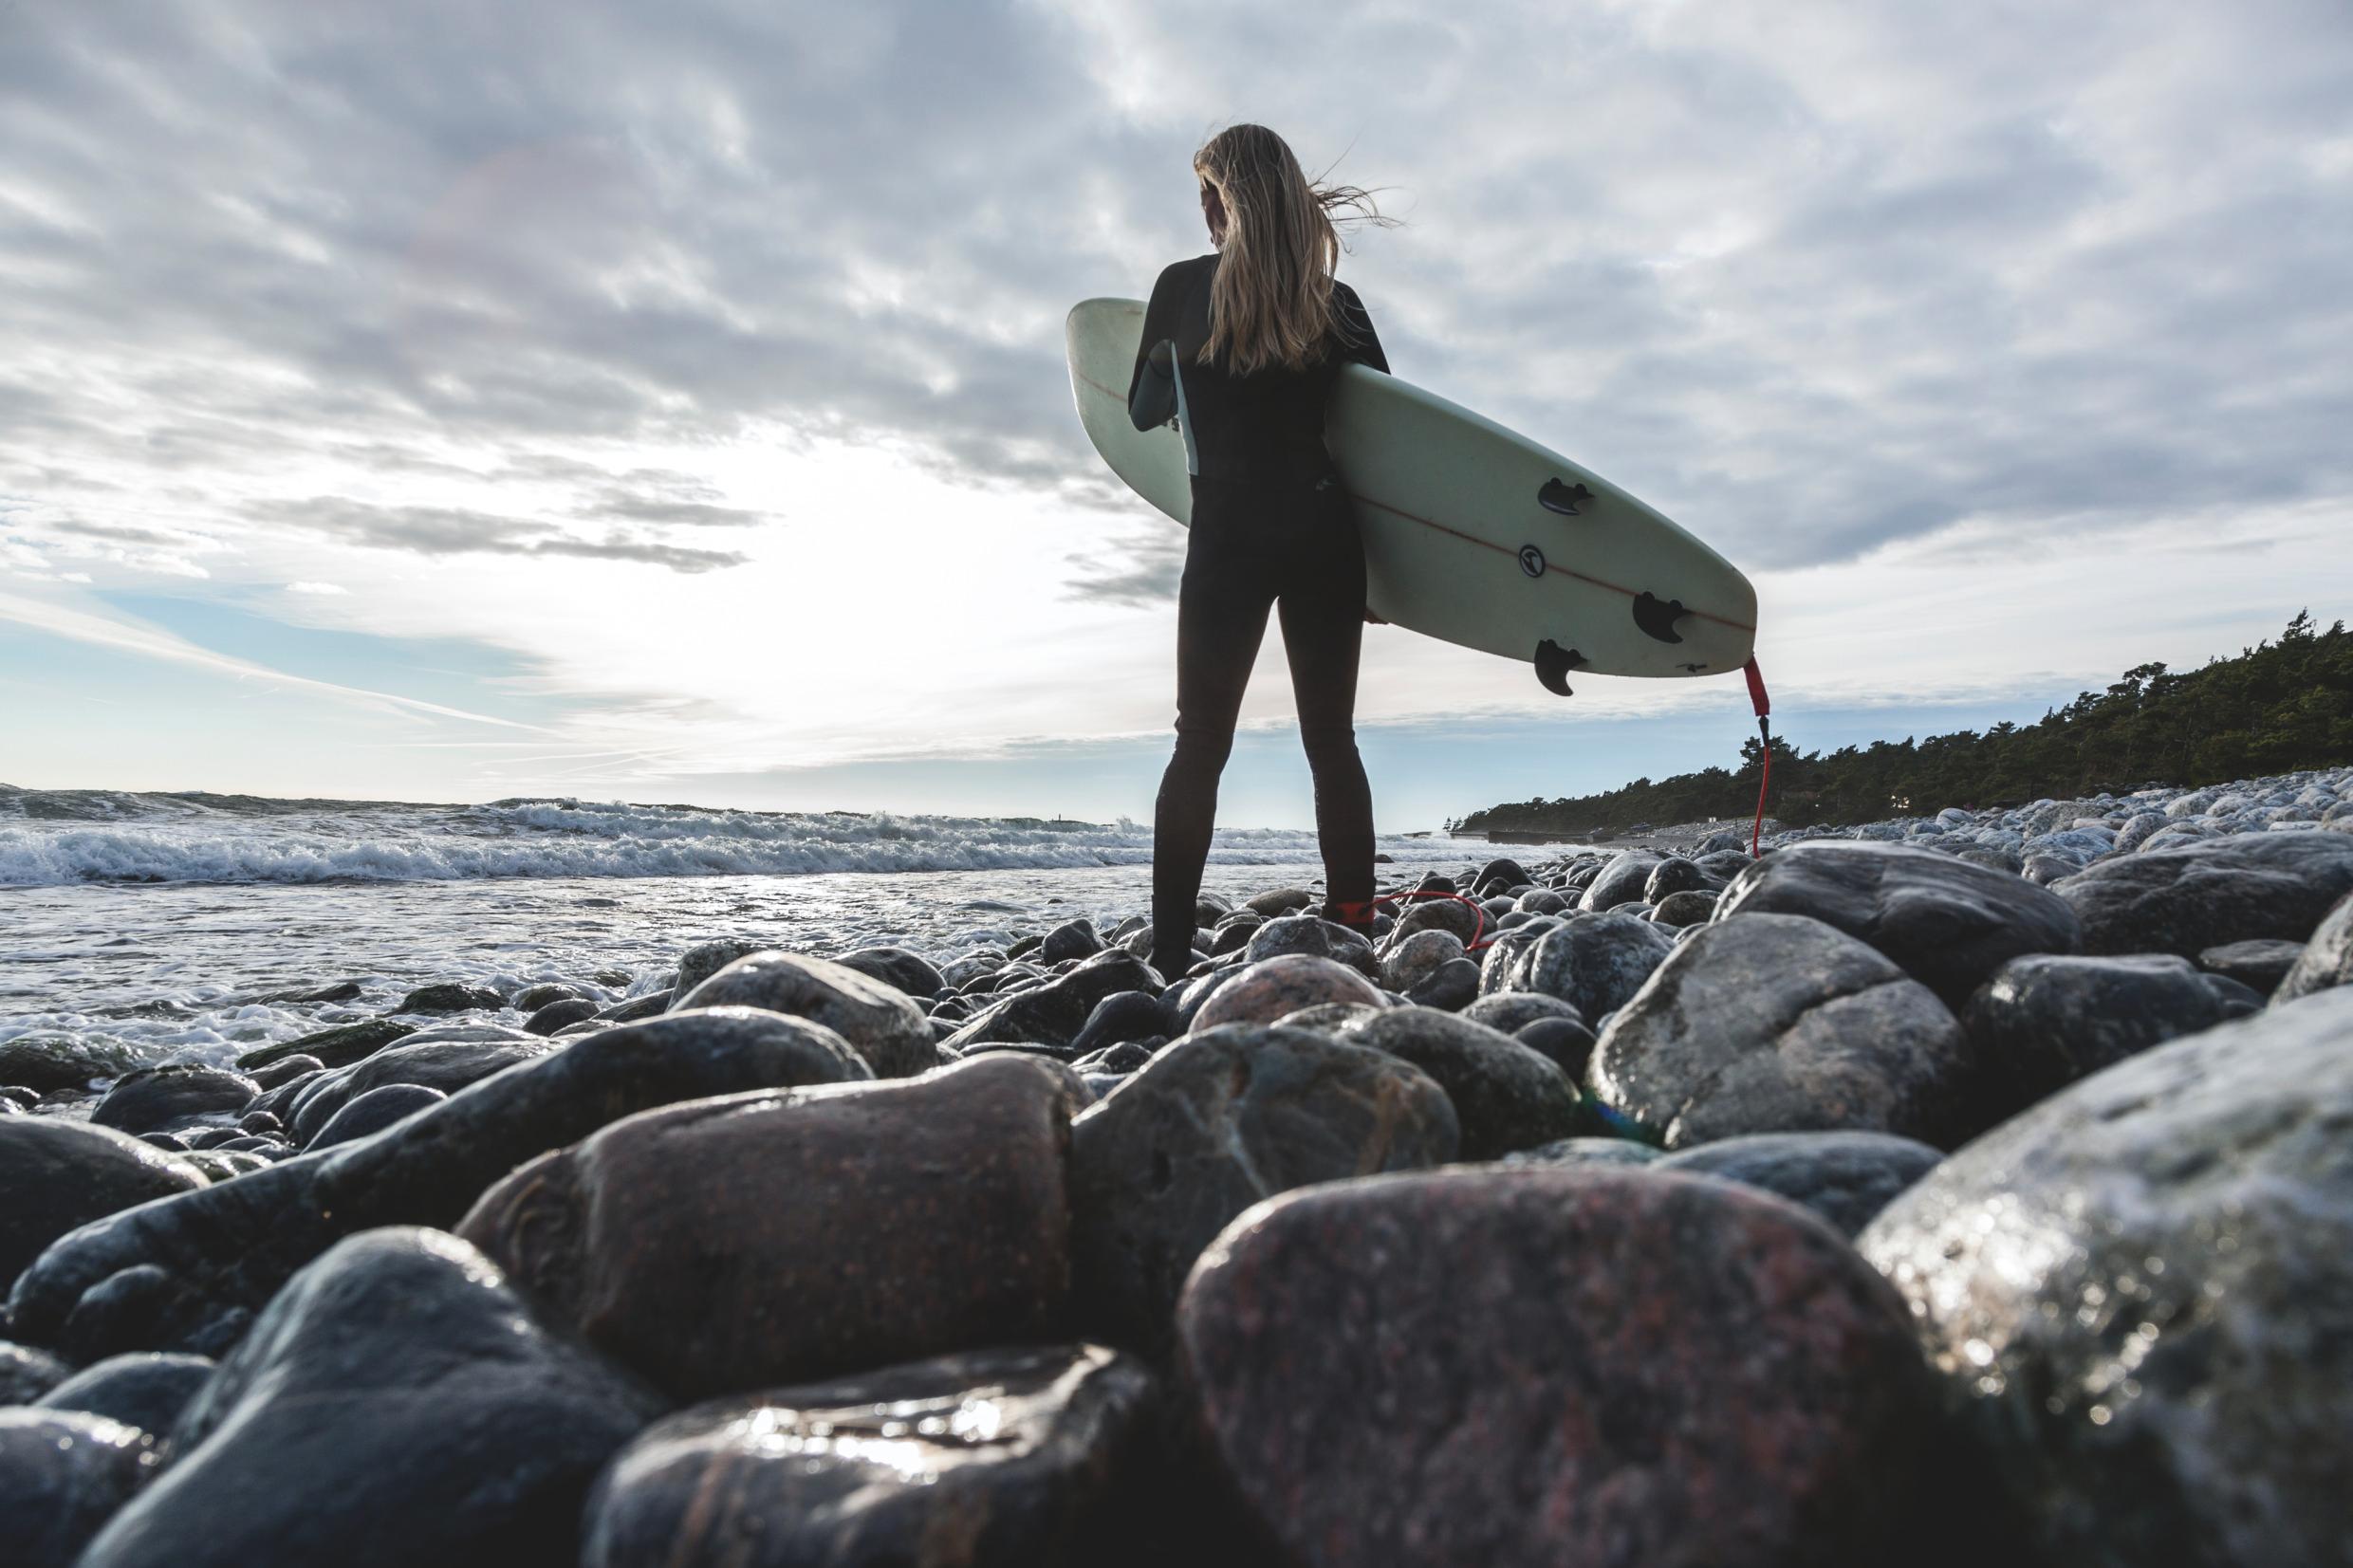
[[1314, 936], [910, 971], [2202, 895], [880, 1022], [742, 1241], [1053, 1013], [1022, 1456], [1844, 1177], [189, 1273], [396, 1405], [1505, 1096], [2140, 1298], [61, 1174], [1946, 922], [704, 959], [1621, 881], [1584, 1364], [28, 1371], [63, 1473], [1215, 1123], [1595, 962], [2260, 966], [2327, 961], [446, 1065], [1779, 1023], [1266, 989], [2043, 1022], [160, 1099], [140, 1390]]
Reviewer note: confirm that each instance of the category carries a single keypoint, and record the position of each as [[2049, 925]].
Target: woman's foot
[[1173, 964], [1358, 917]]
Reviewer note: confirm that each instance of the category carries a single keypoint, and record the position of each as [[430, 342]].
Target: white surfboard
[[1472, 534]]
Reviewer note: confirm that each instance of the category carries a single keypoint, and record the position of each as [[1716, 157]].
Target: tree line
[[2278, 708]]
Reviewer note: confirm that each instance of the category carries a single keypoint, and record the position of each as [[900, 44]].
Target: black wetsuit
[[1271, 528]]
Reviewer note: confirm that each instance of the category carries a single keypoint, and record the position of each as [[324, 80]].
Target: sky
[[446, 401]]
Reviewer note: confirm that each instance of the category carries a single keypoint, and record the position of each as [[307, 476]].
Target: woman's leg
[[1323, 612], [1221, 619]]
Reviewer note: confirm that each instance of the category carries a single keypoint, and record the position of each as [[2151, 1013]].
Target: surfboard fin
[[1553, 663], [1556, 497], [1656, 616]]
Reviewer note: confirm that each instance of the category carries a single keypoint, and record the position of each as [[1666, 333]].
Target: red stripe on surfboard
[[1475, 539]]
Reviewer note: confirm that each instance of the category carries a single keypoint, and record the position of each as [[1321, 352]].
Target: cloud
[[449, 530], [319, 589]]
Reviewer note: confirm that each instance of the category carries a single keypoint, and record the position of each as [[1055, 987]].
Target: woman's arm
[[1159, 405]]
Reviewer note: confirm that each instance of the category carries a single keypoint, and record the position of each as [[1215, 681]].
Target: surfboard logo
[[1532, 561]]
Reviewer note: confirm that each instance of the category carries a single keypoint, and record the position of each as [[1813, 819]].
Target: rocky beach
[[1962, 1188]]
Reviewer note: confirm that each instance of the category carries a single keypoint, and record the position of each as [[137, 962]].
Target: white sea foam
[[168, 842]]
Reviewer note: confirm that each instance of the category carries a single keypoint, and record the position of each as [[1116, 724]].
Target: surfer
[[1240, 348]]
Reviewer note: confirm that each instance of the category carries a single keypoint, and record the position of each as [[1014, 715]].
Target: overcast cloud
[[433, 280]]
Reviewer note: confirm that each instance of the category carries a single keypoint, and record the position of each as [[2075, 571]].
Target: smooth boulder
[[1054, 1013], [1266, 989], [2138, 1297], [1595, 963], [140, 1390], [159, 1099], [1029, 1456], [189, 1273], [1780, 1024], [63, 1474], [748, 1240], [880, 1022], [1569, 1365], [61, 1174], [1505, 1096], [1219, 1120], [2041, 1023], [2244, 888], [2327, 961], [396, 1405]]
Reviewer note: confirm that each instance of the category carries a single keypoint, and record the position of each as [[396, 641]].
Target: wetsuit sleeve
[[1360, 343], [1159, 323]]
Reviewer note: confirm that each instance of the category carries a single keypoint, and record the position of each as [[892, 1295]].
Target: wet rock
[[27, 1372], [560, 1014], [1690, 908], [704, 959], [451, 996], [2247, 887], [188, 1273], [909, 971], [341, 991], [446, 1065], [1501, 873], [311, 1443], [636, 1009], [1327, 1018], [161, 1100], [1071, 939], [1565, 1041], [1266, 989], [1124, 1016], [1666, 1370], [337, 1047], [1672, 875], [1449, 987], [1499, 970], [2259, 965], [60, 1174], [2041, 1023], [1505, 1096], [1460, 920], [1055, 1012], [2326, 962], [530, 999], [1844, 1177], [1779, 1023], [1594, 963], [50, 1064], [1280, 902], [367, 1114], [1621, 881], [1586, 1150], [898, 1220], [2138, 1295], [880, 1020], [62, 1474], [1218, 1121], [1509, 1011], [1314, 937], [1949, 923], [1022, 1456], [142, 1391], [1417, 957]]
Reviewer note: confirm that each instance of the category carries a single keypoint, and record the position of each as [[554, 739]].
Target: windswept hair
[[1271, 301]]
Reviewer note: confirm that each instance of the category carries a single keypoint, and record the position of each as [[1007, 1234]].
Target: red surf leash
[[1479, 938]]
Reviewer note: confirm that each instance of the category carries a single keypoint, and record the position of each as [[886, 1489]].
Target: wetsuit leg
[[1322, 614], [1229, 585]]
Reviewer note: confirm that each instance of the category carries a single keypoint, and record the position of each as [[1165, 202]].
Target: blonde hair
[[1271, 303]]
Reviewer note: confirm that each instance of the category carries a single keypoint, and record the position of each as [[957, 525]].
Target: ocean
[[158, 927]]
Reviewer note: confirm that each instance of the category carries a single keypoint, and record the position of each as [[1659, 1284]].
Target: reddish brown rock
[[1275, 987], [1585, 1365], [754, 1239]]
